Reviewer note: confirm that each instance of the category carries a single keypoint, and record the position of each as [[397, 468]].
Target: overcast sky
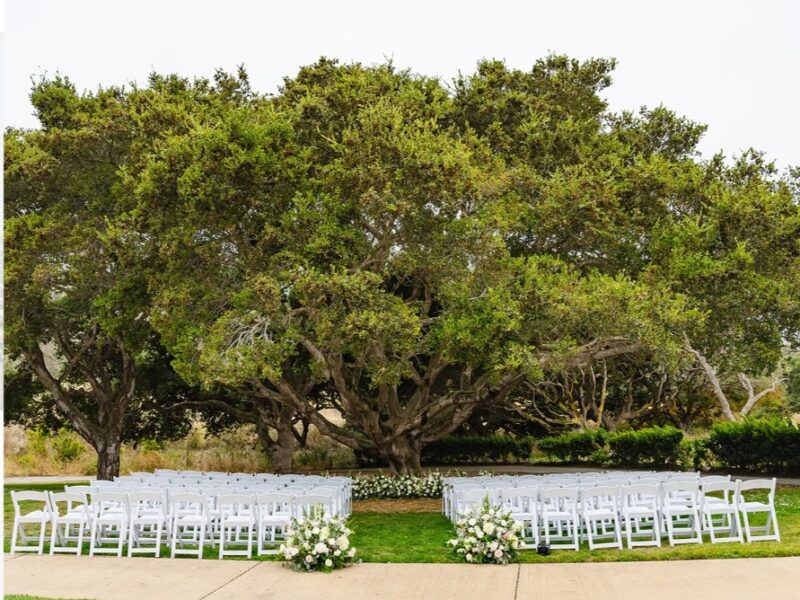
[[732, 65]]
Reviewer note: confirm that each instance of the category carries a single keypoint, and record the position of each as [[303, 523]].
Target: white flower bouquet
[[488, 535], [318, 542]]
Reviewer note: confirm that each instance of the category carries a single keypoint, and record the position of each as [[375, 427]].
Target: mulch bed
[[395, 505]]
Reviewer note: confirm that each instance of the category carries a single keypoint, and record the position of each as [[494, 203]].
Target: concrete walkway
[[108, 578]]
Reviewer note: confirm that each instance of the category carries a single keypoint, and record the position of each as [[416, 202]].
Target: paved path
[[47, 479], [111, 578]]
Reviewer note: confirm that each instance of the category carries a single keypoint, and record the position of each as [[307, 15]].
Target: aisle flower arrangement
[[398, 486], [318, 542], [487, 536]]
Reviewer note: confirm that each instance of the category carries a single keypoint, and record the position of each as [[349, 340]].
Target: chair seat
[[113, 518], [559, 514], [239, 520], [34, 516], [599, 513], [73, 518], [638, 511], [191, 519], [751, 506]]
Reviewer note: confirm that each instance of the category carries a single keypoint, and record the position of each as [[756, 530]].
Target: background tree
[[346, 233]]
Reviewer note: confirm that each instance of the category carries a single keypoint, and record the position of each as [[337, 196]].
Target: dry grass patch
[[398, 505]]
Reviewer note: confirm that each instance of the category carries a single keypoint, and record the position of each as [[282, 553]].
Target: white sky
[[733, 65]]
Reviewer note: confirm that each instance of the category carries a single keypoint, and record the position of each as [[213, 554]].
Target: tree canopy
[[408, 252]]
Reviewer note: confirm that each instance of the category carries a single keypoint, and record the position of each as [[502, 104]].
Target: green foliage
[[67, 445], [769, 446], [573, 447], [477, 449], [652, 446]]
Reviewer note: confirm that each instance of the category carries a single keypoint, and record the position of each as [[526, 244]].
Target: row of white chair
[[578, 480], [185, 520], [683, 510]]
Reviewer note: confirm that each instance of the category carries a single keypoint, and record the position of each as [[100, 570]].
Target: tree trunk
[[108, 457], [403, 455], [283, 450]]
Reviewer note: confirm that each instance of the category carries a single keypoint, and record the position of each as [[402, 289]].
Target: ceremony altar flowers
[[318, 542], [488, 535]]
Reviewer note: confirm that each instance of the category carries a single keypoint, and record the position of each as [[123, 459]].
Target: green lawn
[[421, 537]]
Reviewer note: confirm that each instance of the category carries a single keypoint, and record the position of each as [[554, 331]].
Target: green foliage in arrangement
[[770, 446]]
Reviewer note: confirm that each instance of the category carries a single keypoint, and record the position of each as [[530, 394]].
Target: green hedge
[[652, 446], [454, 450], [477, 449], [768, 446], [573, 447]]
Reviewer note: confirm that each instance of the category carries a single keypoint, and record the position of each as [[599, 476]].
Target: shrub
[[477, 449], [318, 542], [758, 445], [67, 446], [573, 447], [321, 452], [487, 535], [657, 446]]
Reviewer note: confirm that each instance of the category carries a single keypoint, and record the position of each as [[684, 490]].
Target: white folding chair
[[189, 522], [559, 513], [600, 514], [274, 515], [720, 513], [109, 522], [523, 503], [302, 504], [148, 520], [76, 513], [680, 512], [748, 507], [471, 498], [40, 515], [640, 513], [237, 516]]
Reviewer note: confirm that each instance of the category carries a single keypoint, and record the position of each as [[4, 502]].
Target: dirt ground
[[390, 505]]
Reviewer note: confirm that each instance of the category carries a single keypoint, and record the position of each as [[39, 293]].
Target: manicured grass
[[422, 537]]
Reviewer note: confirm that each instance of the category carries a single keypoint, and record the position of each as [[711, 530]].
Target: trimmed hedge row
[[455, 450], [652, 446], [769, 446], [573, 447]]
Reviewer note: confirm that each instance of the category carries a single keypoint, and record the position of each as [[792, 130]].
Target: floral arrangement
[[398, 486], [488, 535], [318, 542]]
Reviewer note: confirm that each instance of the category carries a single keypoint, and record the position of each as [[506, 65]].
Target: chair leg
[[775, 524], [53, 537], [80, 540], [131, 538], [93, 538], [159, 529], [42, 532]]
